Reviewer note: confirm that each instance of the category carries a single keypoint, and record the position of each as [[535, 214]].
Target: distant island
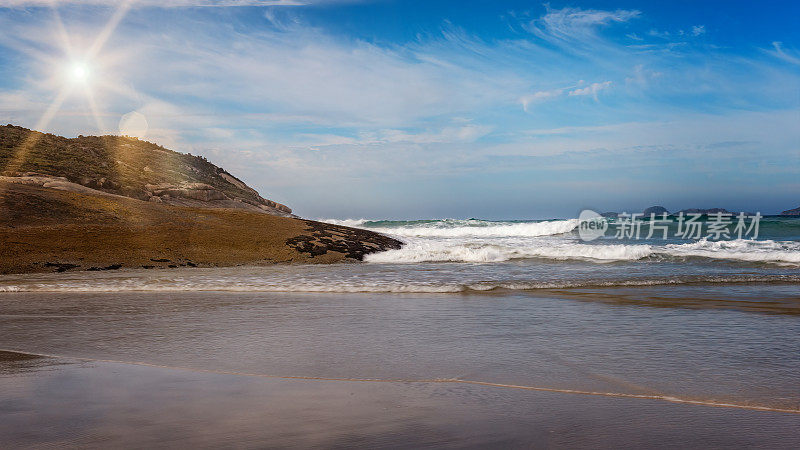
[[660, 210], [108, 202], [791, 212]]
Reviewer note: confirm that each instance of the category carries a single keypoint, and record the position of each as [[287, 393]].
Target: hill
[[125, 166], [58, 213]]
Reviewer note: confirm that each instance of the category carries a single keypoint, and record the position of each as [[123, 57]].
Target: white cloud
[[697, 30], [539, 96], [467, 133], [577, 23], [781, 53], [294, 71], [642, 76], [592, 89]]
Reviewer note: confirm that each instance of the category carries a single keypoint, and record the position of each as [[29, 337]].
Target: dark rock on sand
[[351, 242], [61, 267]]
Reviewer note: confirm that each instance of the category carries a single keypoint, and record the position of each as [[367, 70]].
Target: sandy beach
[[311, 370]]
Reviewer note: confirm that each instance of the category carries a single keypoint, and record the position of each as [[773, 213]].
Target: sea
[[475, 334]]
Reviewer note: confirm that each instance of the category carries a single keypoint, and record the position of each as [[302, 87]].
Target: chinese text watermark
[[712, 226]]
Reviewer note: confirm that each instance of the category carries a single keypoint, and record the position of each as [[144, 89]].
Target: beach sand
[[98, 404], [256, 370]]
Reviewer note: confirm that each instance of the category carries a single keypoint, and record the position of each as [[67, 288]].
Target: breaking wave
[[439, 251], [454, 228], [488, 229], [415, 251], [741, 250], [346, 222]]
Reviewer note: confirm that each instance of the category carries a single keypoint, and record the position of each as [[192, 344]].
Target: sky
[[432, 109]]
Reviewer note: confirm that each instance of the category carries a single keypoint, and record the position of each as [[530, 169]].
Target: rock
[[61, 267], [195, 191], [59, 183]]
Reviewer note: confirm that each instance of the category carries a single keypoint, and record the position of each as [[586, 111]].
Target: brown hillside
[[129, 167], [43, 229]]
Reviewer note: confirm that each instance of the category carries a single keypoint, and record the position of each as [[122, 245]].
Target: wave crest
[[438, 251], [483, 229], [355, 223], [740, 249]]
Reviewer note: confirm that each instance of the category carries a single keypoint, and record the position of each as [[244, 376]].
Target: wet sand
[[775, 298], [76, 404], [211, 369]]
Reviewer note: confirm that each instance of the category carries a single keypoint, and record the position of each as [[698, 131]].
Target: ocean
[[475, 334]]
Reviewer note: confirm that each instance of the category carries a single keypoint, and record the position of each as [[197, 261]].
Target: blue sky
[[411, 109]]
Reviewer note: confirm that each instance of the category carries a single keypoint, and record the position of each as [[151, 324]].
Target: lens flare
[[133, 124]]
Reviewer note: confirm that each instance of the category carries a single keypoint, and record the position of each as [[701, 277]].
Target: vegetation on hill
[[124, 166]]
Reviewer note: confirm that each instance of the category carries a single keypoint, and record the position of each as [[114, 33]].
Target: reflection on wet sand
[[703, 296], [114, 404], [628, 395], [15, 363]]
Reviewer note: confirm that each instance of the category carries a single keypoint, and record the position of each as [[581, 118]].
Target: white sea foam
[[739, 249], [481, 252], [235, 284], [419, 250], [346, 222], [485, 229]]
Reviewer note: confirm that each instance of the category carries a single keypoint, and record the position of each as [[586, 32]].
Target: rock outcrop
[[68, 227]]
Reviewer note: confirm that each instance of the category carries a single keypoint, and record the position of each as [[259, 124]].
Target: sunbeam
[[75, 71]]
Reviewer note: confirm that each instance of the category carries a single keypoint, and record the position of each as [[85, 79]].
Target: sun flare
[[79, 72]]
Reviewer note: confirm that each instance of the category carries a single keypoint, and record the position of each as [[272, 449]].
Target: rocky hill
[[108, 203], [124, 166]]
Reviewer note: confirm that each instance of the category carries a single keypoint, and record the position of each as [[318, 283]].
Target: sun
[[79, 72]]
